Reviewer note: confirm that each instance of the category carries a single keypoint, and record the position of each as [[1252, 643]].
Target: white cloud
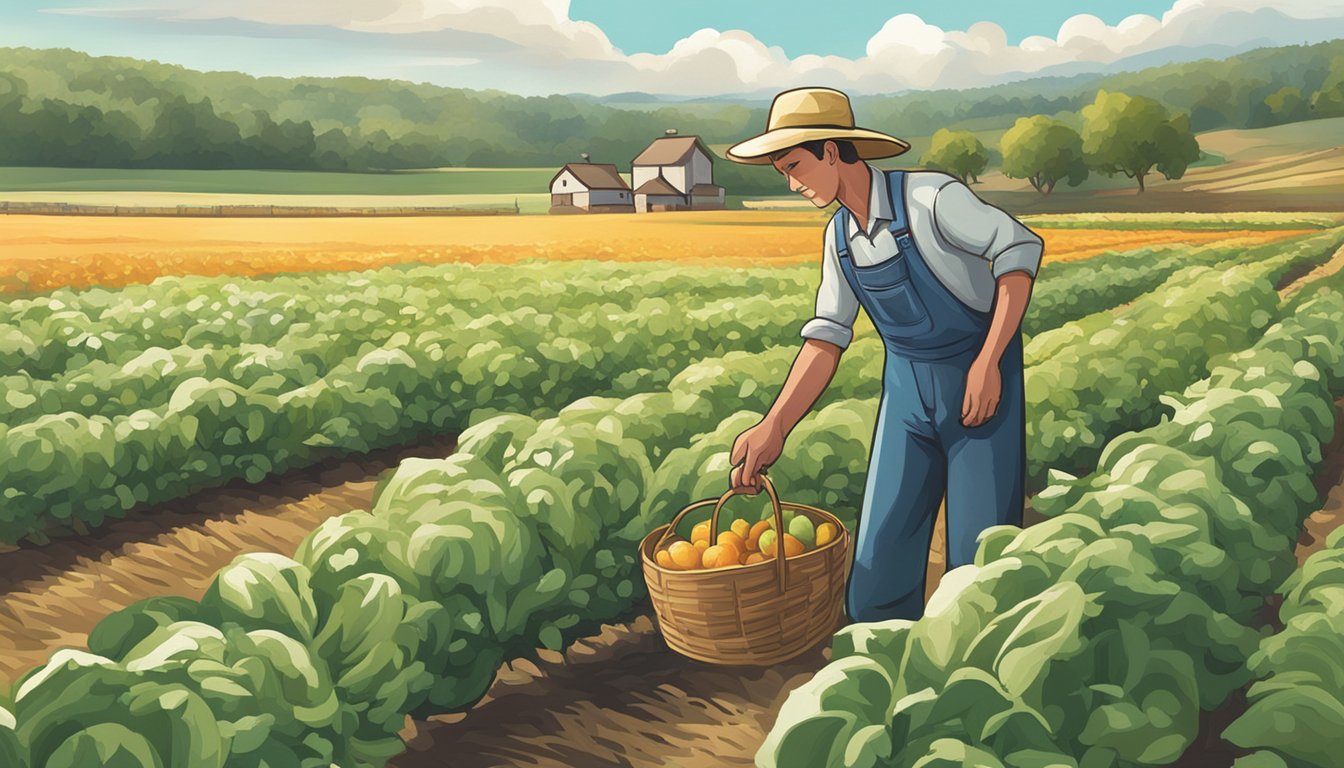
[[542, 24], [536, 47]]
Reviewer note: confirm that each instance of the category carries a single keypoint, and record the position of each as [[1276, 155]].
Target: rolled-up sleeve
[[837, 307], [984, 230]]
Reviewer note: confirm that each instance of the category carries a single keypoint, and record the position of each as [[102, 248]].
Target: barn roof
[[671, 150], [706, 189], [594, 175], [657, 186]]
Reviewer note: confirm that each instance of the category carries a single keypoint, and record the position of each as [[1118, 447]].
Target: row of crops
[[347, 366], [1096, 637], [525, 537], [143, 395], [1296, 710]]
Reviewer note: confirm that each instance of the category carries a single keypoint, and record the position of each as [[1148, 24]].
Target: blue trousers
[[920, 451]]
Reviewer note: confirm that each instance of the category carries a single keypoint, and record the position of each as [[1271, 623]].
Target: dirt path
[[1297, 282], [52, 595], [1330, 487], [617, 699]]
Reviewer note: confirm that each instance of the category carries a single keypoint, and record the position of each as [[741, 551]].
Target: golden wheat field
[[43, 253]]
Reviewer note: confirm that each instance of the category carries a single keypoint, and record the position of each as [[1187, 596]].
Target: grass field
[[447, 181], [42, 253]]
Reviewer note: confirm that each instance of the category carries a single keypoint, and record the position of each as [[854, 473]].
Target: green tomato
[[803, 530], [767, 540]]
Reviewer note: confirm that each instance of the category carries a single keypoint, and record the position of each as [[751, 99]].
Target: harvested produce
[[743, 543]]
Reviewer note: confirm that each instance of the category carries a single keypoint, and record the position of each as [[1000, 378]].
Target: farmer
[[945, 278]]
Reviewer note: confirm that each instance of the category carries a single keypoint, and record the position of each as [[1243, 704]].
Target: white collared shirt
[[967, 243]]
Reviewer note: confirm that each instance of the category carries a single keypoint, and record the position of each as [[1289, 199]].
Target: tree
[[188, 134], [959, 153], [1329, 100], [1286, 105], [282, 145], [1134, 135], [1043, 151]]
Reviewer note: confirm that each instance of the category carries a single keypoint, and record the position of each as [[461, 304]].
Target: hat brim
[[869, 144]]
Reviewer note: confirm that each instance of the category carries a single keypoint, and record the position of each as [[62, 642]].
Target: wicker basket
[[763, 613]]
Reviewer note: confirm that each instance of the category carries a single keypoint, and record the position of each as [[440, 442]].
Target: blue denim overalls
[[920, 447]]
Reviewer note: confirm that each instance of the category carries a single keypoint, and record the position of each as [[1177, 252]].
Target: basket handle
[[779, 524], [672, 526]]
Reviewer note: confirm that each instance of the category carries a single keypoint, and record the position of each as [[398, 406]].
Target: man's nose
[[794, 185]]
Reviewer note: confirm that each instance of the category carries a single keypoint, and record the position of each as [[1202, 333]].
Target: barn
[[590, 188], [657, 194], [675, 173]]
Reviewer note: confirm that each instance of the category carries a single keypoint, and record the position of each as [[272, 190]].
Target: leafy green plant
[[1143, 581]]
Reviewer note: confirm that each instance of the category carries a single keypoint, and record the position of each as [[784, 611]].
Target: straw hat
[[807, 114]]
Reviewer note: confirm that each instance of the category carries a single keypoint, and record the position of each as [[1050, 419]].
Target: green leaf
[[108, 745], [954, 753], [1049, 627], [264, 591], [1302, 723]]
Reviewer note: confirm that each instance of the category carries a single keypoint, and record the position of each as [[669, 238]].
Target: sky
[[658, 25], [683, 48]]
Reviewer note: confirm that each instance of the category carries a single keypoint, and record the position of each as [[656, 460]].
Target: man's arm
[[811, 373], [825, 338], [1014, 254], [1010, 304], [984, 380], [761, 445], [975, 227]]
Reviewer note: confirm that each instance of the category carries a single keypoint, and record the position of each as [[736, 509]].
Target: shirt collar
[[879, 202]]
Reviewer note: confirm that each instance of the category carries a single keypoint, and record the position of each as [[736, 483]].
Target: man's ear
[[832, 152]]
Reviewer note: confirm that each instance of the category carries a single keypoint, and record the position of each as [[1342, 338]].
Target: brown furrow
[[52, 595]]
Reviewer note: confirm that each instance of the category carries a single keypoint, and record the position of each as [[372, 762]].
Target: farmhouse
[[590, 188], [675, 173]]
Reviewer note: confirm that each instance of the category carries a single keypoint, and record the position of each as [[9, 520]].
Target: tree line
[[1121, 134], [64, 108]]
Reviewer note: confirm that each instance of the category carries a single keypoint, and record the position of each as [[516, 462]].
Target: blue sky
[[673, 47], [837, 27]]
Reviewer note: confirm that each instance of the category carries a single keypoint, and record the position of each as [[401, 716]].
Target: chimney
[[670, 132]]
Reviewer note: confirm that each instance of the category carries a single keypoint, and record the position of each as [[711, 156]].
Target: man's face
[[817, 179]]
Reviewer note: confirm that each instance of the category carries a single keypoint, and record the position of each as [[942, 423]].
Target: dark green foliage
[[63, 108]]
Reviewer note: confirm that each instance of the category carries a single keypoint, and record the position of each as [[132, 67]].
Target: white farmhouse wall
[[581, 199], [676, 176], [643, 173], [566, 183]]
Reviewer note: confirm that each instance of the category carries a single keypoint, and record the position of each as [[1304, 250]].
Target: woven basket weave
[[758, 614]]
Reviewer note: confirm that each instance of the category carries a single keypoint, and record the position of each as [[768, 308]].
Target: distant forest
[[64, 108]]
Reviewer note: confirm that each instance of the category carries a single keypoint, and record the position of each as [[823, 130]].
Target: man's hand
[[984, 386], [754, 450]]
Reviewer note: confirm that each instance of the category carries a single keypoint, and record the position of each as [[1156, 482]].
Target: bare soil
[[619, 698], [52, 595], [1330, 488], [1296, 282]]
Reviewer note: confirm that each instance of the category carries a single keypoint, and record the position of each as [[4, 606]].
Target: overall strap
[[840, 225], [900, 223]]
